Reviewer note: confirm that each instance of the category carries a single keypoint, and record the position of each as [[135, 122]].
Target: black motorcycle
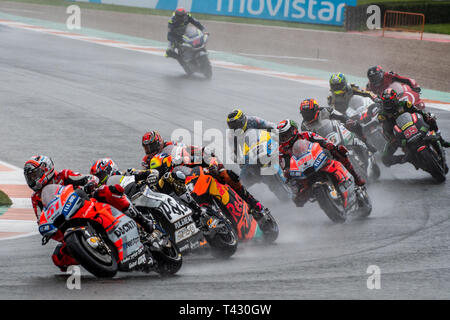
[[192, 53], [421, 145]]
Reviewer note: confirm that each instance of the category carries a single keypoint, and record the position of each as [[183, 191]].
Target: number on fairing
[[172, 207], [410, 132]]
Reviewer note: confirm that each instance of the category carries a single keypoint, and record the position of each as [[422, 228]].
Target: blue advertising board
[[329, 12]]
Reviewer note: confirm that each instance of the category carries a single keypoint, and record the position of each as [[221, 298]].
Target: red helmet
[[152, 143], [287, 130], [103, 168], [181, 15], [309, 110], [38, 171], [390, 100]]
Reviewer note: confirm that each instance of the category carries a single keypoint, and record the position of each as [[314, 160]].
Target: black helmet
[[181, 15], [309, 110], [390, 100], [375, 75], [236, 119]]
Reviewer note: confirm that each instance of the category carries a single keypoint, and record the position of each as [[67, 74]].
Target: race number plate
[[185, 232]]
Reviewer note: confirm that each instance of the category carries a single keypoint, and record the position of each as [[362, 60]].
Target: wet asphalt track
[[77, 102]]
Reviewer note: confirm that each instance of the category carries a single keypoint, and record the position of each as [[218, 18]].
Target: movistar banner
[[307, 11]]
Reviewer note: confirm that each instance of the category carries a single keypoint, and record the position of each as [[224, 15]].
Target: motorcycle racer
[[312, 115], [342, 92], [237, 119], [380, 80], [153, 144], [391, 109], [39, 171], [289, 134], [177, 27]]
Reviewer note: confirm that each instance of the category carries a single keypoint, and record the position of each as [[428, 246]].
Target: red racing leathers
[[388, 79], [111, 195], [339, 152]]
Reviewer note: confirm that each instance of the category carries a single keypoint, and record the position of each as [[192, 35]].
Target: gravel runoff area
[[427, 62]]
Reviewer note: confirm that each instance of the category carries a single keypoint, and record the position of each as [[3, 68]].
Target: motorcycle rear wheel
[[100, 265]]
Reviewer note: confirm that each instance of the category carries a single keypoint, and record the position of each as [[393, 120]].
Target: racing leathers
[[388, 79], [176, 32], [332, 114], [112, 195], [338, 152], [192, 156], [387, 120], [60, 257], [341, 102], [253, 123]]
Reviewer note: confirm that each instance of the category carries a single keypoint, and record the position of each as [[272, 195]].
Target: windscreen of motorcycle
[[50, 192], [404, 121]]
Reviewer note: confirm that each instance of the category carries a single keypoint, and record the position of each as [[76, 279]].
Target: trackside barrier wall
[[329, 12]]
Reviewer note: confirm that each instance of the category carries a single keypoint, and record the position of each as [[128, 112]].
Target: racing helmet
[[338, 84], [180, 15], [390, 100], [161, 162], [152, 143], [103, 169], [375, 75], [288, 130], [39, 171], [236, 119], [309, 109]]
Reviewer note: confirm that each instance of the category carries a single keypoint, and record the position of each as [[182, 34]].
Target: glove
[[417, 89], [153, 177], [168, 177], [213, 169], [350, 123], [329, 100], [116, 189], [90, 187], [341, 150]]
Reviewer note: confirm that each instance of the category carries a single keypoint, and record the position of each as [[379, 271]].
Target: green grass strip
[[4, 199]]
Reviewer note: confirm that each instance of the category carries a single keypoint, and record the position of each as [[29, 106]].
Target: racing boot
[[348, 165], [61, 257], [147, 224]]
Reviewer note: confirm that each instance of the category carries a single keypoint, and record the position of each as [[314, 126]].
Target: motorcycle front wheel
[[98, 261], [328, 202], [205, 66], [169, 259]]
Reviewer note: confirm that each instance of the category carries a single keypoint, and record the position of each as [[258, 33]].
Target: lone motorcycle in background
[[192, 54]]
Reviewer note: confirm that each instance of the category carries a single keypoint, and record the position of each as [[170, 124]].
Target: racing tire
[[206, 67], [433, 165], [270, 229], [223, 245], [169, 260], [101, 266], [328, 205], [364, 203]]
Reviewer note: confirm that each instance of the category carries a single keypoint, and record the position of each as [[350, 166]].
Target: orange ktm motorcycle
[[209, 192], [315, 176], [101, 238]]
